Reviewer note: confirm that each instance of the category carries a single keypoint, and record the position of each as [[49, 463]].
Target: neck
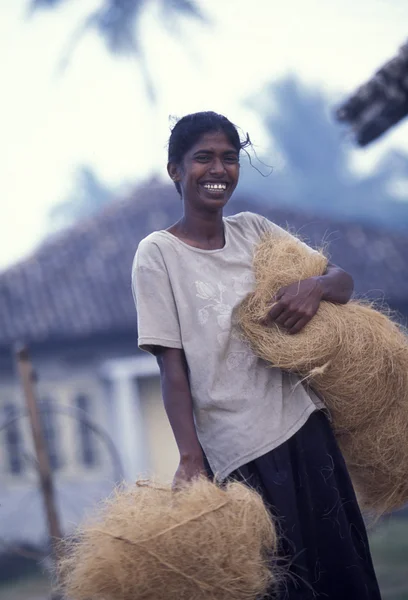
[[202, 225]]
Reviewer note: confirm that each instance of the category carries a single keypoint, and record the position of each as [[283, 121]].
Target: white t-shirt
[[185, 298]]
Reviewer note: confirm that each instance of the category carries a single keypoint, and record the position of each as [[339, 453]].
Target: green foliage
[[18, 564], [389, 547], [27, 588]]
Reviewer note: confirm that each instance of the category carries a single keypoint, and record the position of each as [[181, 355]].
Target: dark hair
[[188, 130]]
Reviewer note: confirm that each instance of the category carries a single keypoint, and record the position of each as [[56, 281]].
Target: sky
[[95, 111]]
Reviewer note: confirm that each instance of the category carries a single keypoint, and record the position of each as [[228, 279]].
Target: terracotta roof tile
[[77, 284]]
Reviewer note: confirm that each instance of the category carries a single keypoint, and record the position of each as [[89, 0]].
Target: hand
[[295, 305], [189, 468]]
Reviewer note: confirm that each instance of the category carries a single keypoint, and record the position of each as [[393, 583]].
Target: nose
[[217, 167]]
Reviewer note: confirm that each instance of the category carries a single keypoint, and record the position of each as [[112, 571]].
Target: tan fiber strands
[[355, 357], [148, 542]]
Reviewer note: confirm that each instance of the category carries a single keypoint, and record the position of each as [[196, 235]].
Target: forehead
[[214, 141]]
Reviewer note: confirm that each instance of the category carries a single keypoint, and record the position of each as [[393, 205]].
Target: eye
[[202, 158], [231, 159]]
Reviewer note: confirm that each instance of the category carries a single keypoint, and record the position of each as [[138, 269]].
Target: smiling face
[[209, 172]]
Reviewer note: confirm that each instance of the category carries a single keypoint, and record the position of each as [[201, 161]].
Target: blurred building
[[71, 302]]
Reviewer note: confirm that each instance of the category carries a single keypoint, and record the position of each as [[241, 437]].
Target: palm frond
[[38, 4], [34, 6], [174, 12], [380, 103], [186, 8], [117, 23]]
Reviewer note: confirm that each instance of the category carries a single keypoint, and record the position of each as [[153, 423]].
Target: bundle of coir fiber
[[355, 357], [148, 542]]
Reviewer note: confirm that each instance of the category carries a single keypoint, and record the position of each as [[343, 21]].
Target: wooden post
[[27, 377]]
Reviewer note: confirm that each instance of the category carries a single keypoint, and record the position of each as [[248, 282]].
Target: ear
[[174, 171]]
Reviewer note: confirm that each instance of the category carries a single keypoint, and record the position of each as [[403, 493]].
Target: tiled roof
[[77, 284]]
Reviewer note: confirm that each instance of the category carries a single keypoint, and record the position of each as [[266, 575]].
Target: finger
[[299, 325], [180, 484], [275, 312], [287, 315], [290, 322], [176, 486], [278, 295], [268, 319]]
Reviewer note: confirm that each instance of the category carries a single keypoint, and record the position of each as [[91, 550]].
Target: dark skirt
[[324, 551]]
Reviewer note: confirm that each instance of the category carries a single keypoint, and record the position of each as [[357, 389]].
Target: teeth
[[215, 186]]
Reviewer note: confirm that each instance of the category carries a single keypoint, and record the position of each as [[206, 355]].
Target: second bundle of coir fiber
[[355, 357], [150, 543]]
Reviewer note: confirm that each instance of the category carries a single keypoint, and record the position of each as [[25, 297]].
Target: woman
[[231, 414]]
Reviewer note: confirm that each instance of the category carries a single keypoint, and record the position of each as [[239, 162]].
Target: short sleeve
[[157, 317]]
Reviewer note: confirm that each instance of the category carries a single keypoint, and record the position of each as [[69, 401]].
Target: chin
[[216, 203]]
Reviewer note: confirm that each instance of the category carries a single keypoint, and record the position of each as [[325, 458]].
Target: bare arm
[[296, 304], [179, 408], [336, 285]]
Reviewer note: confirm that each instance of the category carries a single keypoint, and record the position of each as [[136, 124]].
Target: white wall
[[126, 404]]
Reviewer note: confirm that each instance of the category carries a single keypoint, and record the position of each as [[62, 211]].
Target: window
[[14, 440], [49, 425], [85, 433]]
